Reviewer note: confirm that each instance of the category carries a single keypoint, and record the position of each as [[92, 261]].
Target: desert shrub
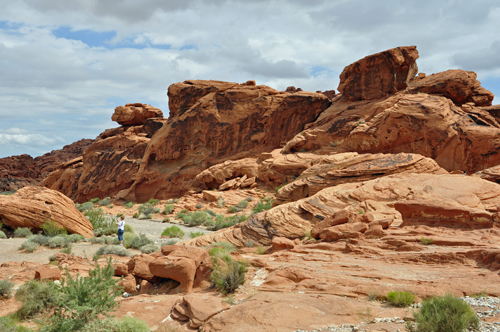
[[180, 215], [185, 211], [249, 198], [153, 201], [9, 324], [67, 250], [168, 209], [149, 216], [220, 202], [195, 234], [1, 225], [279, 187], [210, 223], [198, 218], [74, 238], [217, 253], [128, 205], [225, 222], [147, 208], [29, 246], [94, 200], [35, 296], [110, 206], [2, 235], [231, 209], [85, 206], [226, 245], [40, 239], [187, 219], [127, 239], [172, 201], [166, 219], [210, 212], [22, 232], [170, 242], [6, 288], [124, 324], [102, 240], [113, 250], [173, 231], [97, 218], [59, 241], [128, 229], [261, 250], [149, 248], [243, 204], [227, 275], [400, 299], [136, 215], [444, 314], [82, 300], [140, 241], [50, 228], [249, 244], [263, 204], [425, 241], [199, 206], [105, 202]]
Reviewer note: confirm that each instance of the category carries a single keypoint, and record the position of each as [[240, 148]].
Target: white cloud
[[29, 139], [60, 87]]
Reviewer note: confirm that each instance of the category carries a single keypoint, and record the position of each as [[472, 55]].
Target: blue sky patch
[[319, 70], [492, 84], [189, 47], [89, 37]]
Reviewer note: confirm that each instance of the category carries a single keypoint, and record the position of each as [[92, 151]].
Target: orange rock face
[[32, 206], [379, 75], [135, 114]]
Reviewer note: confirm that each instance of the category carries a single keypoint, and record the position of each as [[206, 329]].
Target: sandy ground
[[152, 228]]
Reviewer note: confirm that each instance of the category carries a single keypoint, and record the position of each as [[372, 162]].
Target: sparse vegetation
[[228, 247], [35, 296], [6, 288], [124, 324], [166, 219], [98, 220], [224, 222], [85, 206], [249, 198], [113, 250], [249, 244], [230, 299], [243, 204], [147, 208], [2, 235], [172, 201], [425, 241], [102, 240], [59, 241], [149, 248], [50, 228], [198, 218], [199, 206], [261, 250], [139, 241], [227, 274], [279, 187], [479, 295], [372, 296], [168, 209], [154, 201], [170, 242], [67, 250], [105, 202], [29, 246], [231, 209], [220, 202], [195, 234], [400, 299], [173, 231], [444, 314], [263, 204], [94, 200], [366, 315], [22, 232], [128, 205]]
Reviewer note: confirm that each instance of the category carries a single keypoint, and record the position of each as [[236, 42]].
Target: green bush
[[249, 244], [113, 250], [187, 219], [170, 242], [195, 234], [261, 250], [82, 300], [50, 228], [425, 241], [199, 206], [147, 208], [102, 240], [74, 238], [180, 215], [2, 235], [173, 231], [105, 202], [60, 241], [225, 222], [231, 209], [128, 205], [136, 215], [153, 201], [124, 324], [149, 248], [140, 241], [85, 206], [40, 239], [168, 209], [229, 247], [243, 204], [227, 275], [6, 288], [22, 232], [172, 201], [400, 299], [220, 202], [249, 198], [263, 204], [198, 218], [29, 246], [9, 324], [210, 212], [35, 296], [67, 250], [444, 314], [166, 219], [98, 219], [94, 200]]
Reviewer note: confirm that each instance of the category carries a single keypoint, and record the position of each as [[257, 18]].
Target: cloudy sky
[[65, 65]]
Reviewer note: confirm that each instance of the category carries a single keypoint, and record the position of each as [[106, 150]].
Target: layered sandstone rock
[[32, 206], [457, 138], [375, 197], [379, 75], [135, 114]]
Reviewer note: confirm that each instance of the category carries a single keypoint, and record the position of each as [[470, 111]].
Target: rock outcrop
[[135, 114], [32, 206], [379, 75]]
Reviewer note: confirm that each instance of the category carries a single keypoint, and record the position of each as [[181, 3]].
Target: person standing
[[121, 229]]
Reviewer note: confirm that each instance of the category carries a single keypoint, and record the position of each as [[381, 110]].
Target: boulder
[[32, 206], [344, 231], [458, 85], [198, 255], [129, 284], [180, 269], [139, 266], [218, 174], [121, 269], [48, 272], [135, 114], [380, 74], [198, 309], [282, 243], [337, 218]]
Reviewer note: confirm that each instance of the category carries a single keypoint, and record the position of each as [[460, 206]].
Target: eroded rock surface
[[135, 114], [32, 206]]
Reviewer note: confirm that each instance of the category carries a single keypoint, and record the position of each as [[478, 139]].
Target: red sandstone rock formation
[[135, 114], [32, 206]]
